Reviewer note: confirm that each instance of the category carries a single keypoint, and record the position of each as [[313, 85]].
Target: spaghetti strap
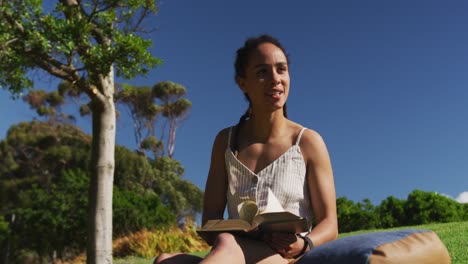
[[300, 135], [229, 137]]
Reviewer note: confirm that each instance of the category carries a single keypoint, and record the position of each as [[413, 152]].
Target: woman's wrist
[[308, 241], [303, 250], [307, 244]]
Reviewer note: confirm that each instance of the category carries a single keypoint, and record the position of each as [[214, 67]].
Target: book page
[[273, 205], [247, 210], [226, 225]]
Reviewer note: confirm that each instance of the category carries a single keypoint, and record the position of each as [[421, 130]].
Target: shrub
[[148, 244], [135, 211]]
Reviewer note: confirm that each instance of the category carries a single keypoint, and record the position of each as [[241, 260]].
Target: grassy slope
[[454, 236]]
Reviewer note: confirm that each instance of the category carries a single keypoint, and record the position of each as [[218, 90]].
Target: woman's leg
[[229, 249], [234, 249], [176, 258]]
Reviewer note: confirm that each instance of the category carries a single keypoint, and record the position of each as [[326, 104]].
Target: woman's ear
[[241, 83]]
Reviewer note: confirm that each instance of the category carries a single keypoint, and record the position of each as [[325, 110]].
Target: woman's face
[[266, 80]]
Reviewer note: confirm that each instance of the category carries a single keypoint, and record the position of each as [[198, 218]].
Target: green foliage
[[465, 211], [146, 105], [429, 207], [167, 91], [135, 211], [44, 183], [144, 113], [80, 42], [4, 232], [13, 66], [86, 37], [391, 212], [420, 208], [181, 196], [353, 216], [151, 143], [162, 176], [139, 100], [48, 105], [170, 94], [58, 211], [177, 108]]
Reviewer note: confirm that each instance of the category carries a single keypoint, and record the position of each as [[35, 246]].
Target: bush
[[4, 232], [429, 207], [133, 212], [148, 244]]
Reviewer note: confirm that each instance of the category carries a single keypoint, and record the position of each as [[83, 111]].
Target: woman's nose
[[275, 78]]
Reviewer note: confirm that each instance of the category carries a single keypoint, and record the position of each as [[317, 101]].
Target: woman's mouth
[[276, 94]]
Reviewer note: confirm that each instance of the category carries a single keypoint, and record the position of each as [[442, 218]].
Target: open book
[[253, 223]]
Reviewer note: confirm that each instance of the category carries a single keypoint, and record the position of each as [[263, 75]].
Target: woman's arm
[[214, 201], [321, 187]]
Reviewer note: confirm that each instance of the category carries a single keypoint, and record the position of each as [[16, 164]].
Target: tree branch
[[44, 61], [7, 43], [51, 66]]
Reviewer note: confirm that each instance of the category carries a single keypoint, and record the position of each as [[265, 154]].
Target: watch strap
[[307, 242]]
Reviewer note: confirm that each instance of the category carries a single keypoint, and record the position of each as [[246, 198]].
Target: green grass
[[454, 236], [133, 260]]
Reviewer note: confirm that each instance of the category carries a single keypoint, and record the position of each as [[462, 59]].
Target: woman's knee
[[173, 258], [163, 257], [225, 239]]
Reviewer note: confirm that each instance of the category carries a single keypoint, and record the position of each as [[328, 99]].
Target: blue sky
[[384, 82]]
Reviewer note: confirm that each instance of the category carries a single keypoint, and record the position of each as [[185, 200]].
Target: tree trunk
[[102, 174]]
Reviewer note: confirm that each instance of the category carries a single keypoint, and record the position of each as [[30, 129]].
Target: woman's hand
[[286, 244]]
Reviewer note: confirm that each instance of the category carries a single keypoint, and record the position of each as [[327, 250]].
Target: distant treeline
[[419, 208], [44, 178]]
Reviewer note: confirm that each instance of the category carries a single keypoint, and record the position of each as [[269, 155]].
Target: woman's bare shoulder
[[312, 143], [222, 137], [309, 136]]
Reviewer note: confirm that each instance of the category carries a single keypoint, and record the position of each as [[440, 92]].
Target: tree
[[367, 216], [346, 210], [137, 211], [146, 104], [181, 196], [81, 42], [48, 104], [58, 211], [391, 212], [4, 235], [355, 216], [175, 108], [162, 176], [429, 207], [42, 186], [43, 180], [144, 112]]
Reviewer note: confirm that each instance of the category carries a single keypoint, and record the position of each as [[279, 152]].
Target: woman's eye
[[261, 72], [282, 69]]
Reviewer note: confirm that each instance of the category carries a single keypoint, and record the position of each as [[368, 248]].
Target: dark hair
[[240, 65]]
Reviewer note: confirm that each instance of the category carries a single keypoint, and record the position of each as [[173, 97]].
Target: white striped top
[[285, 177]]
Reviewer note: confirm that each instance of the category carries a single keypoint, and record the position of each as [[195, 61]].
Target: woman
[[267, 153]]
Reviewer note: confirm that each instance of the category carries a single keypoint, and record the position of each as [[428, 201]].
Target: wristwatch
[[307, 242]]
